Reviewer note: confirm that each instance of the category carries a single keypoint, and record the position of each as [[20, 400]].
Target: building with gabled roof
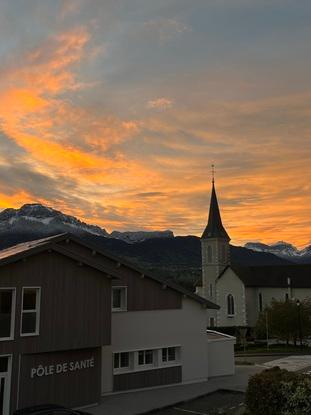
[[242, 292], [77, 323]]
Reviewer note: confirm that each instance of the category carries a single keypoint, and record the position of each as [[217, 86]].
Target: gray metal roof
[[25, 249]]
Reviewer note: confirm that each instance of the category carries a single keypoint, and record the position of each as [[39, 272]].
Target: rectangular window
[[145, 357], [4, 365], [169, 354], [119, 298], [30, 311], [7, 313], [121, 360], [212, 322]]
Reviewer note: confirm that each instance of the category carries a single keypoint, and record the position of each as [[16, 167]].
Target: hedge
[[279, 392]]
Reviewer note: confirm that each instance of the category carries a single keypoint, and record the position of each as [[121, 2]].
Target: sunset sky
[[114, 110]]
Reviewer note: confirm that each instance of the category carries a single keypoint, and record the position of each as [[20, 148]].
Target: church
[[242, 292]]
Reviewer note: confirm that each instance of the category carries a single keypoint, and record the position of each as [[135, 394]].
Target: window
[[7, 313], [30, 311], [260, 302], [286, 297], [230, 305], [119, 298], [211, 290], [169, 354], [121, 360], [145, 357], [212, 321], [4, 365], [209, 254]]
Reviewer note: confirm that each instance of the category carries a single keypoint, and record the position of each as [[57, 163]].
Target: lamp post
[[267, 329], [298, 303]]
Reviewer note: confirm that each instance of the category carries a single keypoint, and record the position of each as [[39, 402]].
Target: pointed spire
[[214, 228]]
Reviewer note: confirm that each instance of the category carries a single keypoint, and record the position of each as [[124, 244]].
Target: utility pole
[[298, 303]]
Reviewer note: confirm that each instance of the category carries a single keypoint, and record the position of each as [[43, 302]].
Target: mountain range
[[283, 250], [32, 218], [177, 258]]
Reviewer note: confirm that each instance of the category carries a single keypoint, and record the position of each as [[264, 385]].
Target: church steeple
[[215, 252], [214, 228]]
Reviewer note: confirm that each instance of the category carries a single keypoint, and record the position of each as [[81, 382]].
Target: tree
[[287, 320]]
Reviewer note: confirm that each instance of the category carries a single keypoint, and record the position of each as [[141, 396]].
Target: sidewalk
[[134, 403]]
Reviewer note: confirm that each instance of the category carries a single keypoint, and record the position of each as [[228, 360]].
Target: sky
[[115, 110]]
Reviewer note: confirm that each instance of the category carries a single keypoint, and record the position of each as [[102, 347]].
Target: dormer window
[[119, 298]]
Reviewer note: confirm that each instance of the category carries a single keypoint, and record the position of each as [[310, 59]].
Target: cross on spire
[[213, 173]]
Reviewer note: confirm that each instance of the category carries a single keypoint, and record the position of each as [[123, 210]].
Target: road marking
[[190, 412]]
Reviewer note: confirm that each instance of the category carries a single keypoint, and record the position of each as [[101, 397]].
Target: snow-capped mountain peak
[[44, 220], [282, 249], [34, 216]]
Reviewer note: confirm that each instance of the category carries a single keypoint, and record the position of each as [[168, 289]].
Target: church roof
[[274, 276], [214, 228]]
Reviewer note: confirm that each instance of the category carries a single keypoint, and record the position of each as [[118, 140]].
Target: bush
[[299, 397], [270, 391]]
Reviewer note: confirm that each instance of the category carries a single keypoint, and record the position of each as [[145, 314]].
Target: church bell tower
[[215, 249]]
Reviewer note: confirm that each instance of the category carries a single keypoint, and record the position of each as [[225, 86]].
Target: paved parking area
[[291, 363], [220, 402], [142, 402]]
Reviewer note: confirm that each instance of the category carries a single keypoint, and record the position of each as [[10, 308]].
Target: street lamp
[[298, 304]]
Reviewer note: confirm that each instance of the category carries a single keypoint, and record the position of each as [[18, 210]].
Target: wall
[[142, 293], [229, 283], [76, 384], [221, 357], [185, 327], [75, 304], [75, 308]]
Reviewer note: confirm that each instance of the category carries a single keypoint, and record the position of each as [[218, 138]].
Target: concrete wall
[[221, 357], [185, 327], [229, 283]]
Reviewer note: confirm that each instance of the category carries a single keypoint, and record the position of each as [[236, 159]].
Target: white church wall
[[268, 294], [252, 306], [229, 283], [301, 293]]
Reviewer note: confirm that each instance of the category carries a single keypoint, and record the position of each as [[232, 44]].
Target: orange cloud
[[163, 182], [15, 199]]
